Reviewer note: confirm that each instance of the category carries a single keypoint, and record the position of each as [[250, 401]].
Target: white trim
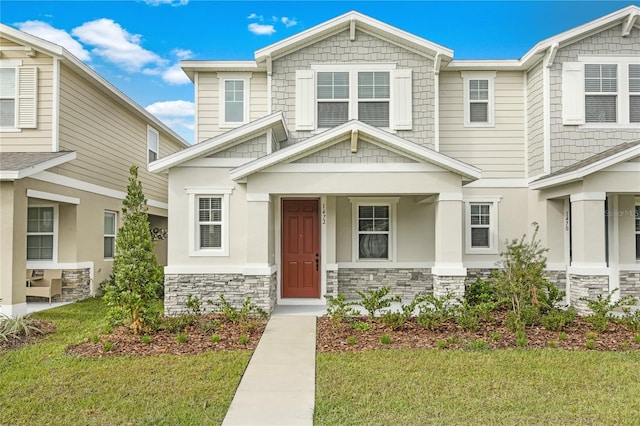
[[322, 211], [218, 162], [258, 197], [449, 270], [628, 166], [194, 232], [382, 264], [613, 243], [54, 253], [259, 269], [351, 66], [311, 301], [203, 269], [55, 107], [32, 193], [588, 196], [498, 183], [10, 63], [223, 77], [38, 168], [332, 267], [196, 106], [354, 168], [449, 196], [482, 265], [91, 188], [494, 217], [392, 250], [150, 131], [15, 310], [599, 268], [114, 235], [629, 267], [490, 77], [546, 119]]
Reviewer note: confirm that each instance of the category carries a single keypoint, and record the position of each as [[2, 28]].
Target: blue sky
[[137, 45]]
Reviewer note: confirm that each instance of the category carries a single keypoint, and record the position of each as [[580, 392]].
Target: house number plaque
[[324, 214]]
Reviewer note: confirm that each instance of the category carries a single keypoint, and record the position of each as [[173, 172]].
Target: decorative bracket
[[628, 24], [352, 29], [551, 55], [354, 141]]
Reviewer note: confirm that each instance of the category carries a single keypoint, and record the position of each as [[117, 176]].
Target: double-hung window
[[333, 98], [480, 224], [373, 98], [374, 228], [18, 96], [478, 88], [153, 144], [41, 228], [110, 225], [8, 97], [481, 218], [209, 221], [234, 98], [634, 93], [601, 93]]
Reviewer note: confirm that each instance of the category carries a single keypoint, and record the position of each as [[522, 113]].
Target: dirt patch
[[43, 328], [491, 334], [194, 340]]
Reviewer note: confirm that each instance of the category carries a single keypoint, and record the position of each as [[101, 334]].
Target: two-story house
[[355, 155], [67, 140]]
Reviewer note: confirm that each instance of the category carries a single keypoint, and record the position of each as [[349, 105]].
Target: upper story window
[[478, 98], [153, 144], [41, 232], [634, 93], [18, 90], [234, 98], [377, 94], [601, 93]]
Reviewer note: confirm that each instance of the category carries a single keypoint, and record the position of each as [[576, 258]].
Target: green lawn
[[40, 384], [490, 387]]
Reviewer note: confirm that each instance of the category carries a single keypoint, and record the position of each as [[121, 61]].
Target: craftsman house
[[355, 155], [67, 141]]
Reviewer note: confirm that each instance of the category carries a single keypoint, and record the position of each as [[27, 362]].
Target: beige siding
[[107, 137], [535, 125], [208, 103], [40, 138], [499, 150]]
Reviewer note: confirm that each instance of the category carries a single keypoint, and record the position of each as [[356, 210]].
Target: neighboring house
[[67, 141], [355, 155]]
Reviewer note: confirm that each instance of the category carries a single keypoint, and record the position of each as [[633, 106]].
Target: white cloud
[[256, 16], [183, 53], [54, 35], [169, 2], [260, 29], [288, 22], [172, 109], [116, 45], [175, 75]]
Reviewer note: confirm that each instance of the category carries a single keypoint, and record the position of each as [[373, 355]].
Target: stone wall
[[405, 282], [332, 283], [630, 283], [234, 287], [444, 285], [76, 286], [589, 287]]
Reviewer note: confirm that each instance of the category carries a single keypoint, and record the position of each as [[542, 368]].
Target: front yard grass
[[415, 387], [41, 384]]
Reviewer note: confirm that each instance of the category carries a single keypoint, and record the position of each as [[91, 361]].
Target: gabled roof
[[595, 163], [18, 165], [628, 17], [60, 52], [225, 140], [365, 132], [351, 21]]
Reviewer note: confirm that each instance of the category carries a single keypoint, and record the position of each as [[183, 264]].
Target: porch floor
[[43, 306]]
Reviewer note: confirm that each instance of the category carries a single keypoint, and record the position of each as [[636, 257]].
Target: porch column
[[448, 271], [588, 273], [13, 250]]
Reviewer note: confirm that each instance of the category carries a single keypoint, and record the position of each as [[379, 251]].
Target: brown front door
[[300, 249]]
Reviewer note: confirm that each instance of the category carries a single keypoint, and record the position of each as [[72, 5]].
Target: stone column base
[[443, 285], [587, 286]]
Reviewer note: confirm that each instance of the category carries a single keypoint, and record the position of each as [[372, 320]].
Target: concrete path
[[278, 386]]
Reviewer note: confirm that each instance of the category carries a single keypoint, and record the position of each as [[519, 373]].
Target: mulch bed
[[13, 343], [124, 342], [496, 335]]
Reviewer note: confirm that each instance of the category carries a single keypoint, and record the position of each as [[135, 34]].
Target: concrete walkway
[[278, 386]]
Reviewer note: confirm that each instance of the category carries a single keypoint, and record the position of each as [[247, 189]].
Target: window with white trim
[[479, 105], [634, 93], [209, 221], [234, 99], [41, 229], [18, 96], [374, 228], [601, 93], [8, 97], [333, 98], [373, 98], [153, 144], [637, 220], [481, 219], [110, 226]]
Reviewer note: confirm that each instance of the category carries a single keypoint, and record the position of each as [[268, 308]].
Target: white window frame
[[54, 254], [115, 232], [631, 94], [150, 148], [493, 203], [194, 194], [390, 202], [224, 77], [615, 94], [623, 92], [15, 65], [490, 77], [354, 70]]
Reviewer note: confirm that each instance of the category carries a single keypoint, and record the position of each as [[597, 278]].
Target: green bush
[[16, 327], [361, 326], [397, 319], [339, 309], [602, 308], [435, 311], [557, 319], [385, 339], [238, 315], [375, 300], [480, 291]]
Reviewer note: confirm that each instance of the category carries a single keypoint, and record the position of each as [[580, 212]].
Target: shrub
[[436, 311], [467, 317], [182, 338], [107, 346], [339, 309], [145, 339], [15, 327], [591, 344], [477, 345], [244, 339], [521, 338], [602, 308], [557, 319], [177, 324], [385, 339], [215, 338], [208, 325], [361, 326], [351, 340], [235, 315], [551, 344], [396, 320], [631, 319], [496, 336], [480, 291], [442, 344], [562, 336], [193, 305], [375, 300]]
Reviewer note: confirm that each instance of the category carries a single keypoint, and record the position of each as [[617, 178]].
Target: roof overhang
[[275, 122], [19, 165], [589, 166], [191, 67], [365, 132], [352, 21]]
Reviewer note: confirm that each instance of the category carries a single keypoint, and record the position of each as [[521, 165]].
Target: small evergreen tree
[[136, 272]]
